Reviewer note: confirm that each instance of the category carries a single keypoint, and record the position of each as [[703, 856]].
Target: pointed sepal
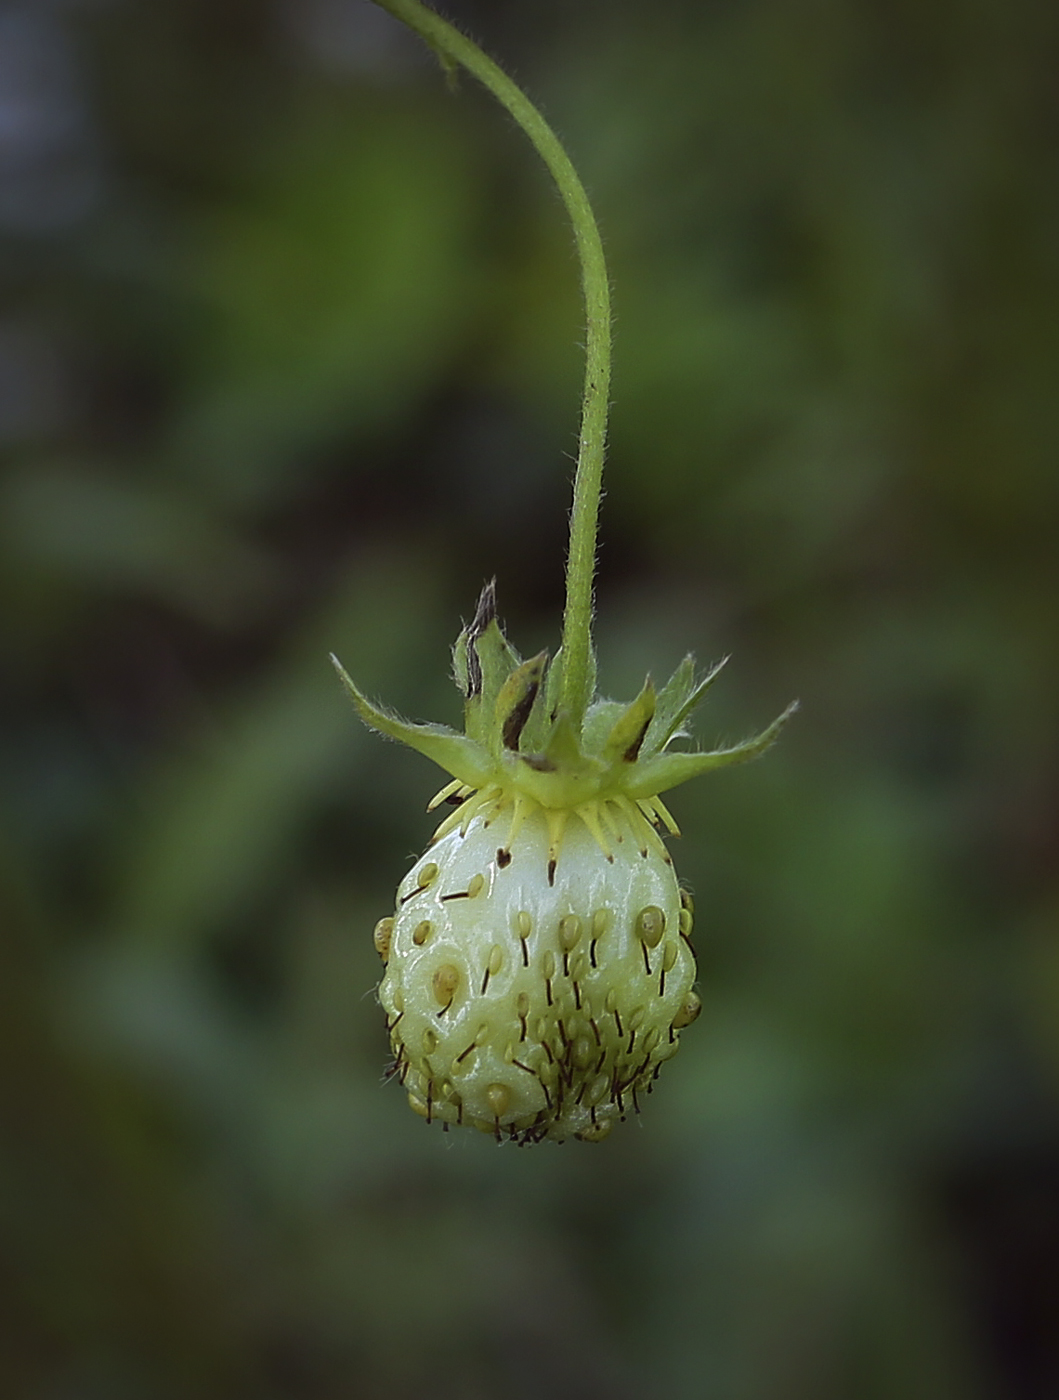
[[496, 659], [668, 770], [456, 753], [600, 719], [483, 658], [562, 752], [516, 700], [627, 735], [676, 700], [461, 663]]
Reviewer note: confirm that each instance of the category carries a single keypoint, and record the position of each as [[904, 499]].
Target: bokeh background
[[289, 364]]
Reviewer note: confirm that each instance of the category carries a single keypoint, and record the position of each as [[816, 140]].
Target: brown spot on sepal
[[630, 728], [484, 614], [539, 762], [515, 701], [632, 753]]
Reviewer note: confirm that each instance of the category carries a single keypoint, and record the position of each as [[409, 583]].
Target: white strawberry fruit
[[539, 967]]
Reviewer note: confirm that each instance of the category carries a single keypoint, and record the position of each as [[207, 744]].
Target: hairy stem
[[455, 47]]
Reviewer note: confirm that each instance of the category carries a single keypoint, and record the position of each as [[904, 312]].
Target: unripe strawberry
[[532, 1007], [539, 967]]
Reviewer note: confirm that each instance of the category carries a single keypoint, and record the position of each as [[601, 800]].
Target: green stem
[[578, 666]]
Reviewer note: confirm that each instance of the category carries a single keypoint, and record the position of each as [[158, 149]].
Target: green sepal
[[539, 724], [497, 659], [563, 752], [676, 700], [668, 770], [553, 686], [461, 671], [482, 660], [627, 735], [456, 753], [515, 702], [600, 719]]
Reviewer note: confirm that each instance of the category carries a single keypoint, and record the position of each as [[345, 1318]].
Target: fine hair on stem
[[454, 47]]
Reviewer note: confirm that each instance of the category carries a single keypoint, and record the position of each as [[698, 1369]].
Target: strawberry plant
[[538, 965]]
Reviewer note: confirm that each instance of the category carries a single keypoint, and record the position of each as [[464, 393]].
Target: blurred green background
[[289, 364]]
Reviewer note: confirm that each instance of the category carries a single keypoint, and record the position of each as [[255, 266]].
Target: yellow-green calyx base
[[538, 963]]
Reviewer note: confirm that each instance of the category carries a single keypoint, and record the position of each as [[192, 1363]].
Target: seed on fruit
[[493, 966], [416, 1104], [383, 937], [597, 1089], [569, 931], [444, 983], [650, 925], [421, 932], [498, 1096], [688, 1012], [597, 1131]]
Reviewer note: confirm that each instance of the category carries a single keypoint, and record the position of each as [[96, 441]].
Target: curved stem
[[454, 47]]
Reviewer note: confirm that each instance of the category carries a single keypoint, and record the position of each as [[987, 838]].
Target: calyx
[[518, 743]]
